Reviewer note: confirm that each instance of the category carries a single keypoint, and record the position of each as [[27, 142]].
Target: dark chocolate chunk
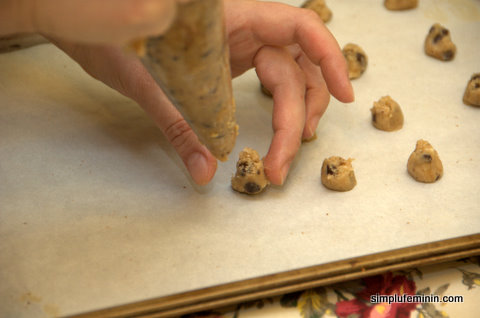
[[331, 169], [427, 157], [251, 187], [361, 59], [448, 55], [437, 38]]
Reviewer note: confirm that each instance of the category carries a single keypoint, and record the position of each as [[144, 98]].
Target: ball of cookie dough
[[250, 177], [387, 114], [356, 60], [472, 92], [438, 43], [337, 174], [320, 8], [424, 164], [400, 4]]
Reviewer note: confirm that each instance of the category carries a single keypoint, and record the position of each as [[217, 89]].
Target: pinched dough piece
[[250, 176], [400, 4], [424, 164], [387, 114], [472, 92], [438, 43], [319, 7], [337, 174], [356, 60]]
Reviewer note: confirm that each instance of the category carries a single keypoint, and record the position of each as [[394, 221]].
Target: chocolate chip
[[361, 59], [374, 117], [427, 157], [477, 85], [474, 77], [444, 31], [438, 177], [251, 187], [331, 169], [437, 38], [448, 55]]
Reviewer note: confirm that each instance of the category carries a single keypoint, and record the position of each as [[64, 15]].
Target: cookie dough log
[[191, 64], [319, 7], [387, 114], [438, 43], [357, 60], [424, 164], [337, 174], [472, 92], [250, 176], [400, 4]]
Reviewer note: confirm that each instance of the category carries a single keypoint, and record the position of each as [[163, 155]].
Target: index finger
[[291, 25]]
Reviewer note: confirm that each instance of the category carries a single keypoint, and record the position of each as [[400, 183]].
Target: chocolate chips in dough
[[250, 176], [387, 114], [472, 92], [424, 164], [356, 58], [438, 43], [337, 174]]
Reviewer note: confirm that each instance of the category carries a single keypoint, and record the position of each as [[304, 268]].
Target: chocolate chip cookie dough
[[387, 114], [424, 164], [191, 63], [472, 92], [250, 176], [320, 7], [400, 4], [356, 60], [438, 43], [337, 174]]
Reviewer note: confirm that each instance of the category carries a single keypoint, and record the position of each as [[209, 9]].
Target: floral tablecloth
[[458, 281]]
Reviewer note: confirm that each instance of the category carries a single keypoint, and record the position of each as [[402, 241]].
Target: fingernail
[[198, 168]]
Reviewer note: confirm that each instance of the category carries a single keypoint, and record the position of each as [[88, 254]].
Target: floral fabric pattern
[[352, 299]]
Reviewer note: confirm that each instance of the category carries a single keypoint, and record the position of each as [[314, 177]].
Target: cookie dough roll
[[191, 64]]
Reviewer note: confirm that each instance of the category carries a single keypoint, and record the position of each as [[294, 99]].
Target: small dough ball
[[337, 174], [424, 164], [438, 43], [472, 92], [320, 8], [400, 4], [387, 114], [356, 60], [250, 177]]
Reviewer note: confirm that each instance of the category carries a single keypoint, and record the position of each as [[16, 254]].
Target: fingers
[[282, 76], [127, 75], [317, 96], [106, 21], [294, 25]]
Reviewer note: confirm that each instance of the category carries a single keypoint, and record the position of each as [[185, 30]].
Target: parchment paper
[[96, 209]]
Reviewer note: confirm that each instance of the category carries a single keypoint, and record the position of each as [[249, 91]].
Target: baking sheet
[[96, 209]]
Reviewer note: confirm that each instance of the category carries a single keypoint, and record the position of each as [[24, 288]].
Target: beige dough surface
[[400, 4], [424, 164], [337, 174], [438, 43], [387, 114], [250, 175], [357, 60], [320, 7], [472, 92]]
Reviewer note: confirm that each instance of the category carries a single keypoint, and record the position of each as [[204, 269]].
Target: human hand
[[290, 48], [87, 21]]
